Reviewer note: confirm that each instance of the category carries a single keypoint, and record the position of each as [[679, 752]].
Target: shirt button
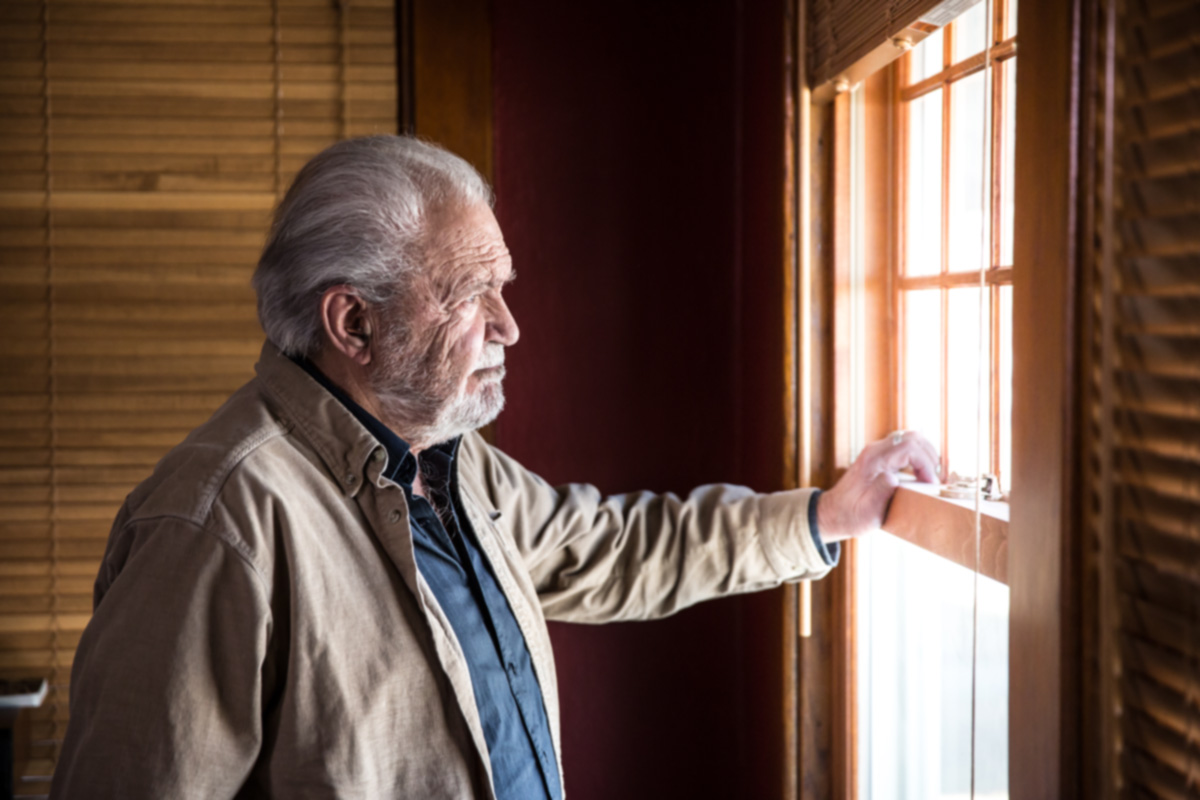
[[351, 478], [378, 455], [394, 516]]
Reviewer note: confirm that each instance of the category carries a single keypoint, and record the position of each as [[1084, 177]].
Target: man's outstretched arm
[[644, 555]]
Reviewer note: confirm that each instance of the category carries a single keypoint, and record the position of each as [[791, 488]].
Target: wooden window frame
[[1000, 50], [942, 526]]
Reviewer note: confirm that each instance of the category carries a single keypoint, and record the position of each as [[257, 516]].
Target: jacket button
[[351, 479], [394, 517]]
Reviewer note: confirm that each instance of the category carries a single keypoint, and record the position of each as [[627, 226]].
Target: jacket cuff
[[832, 552], [789, 540]]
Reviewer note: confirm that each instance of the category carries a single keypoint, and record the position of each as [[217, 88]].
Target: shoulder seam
[[238, 547], [239, 455]]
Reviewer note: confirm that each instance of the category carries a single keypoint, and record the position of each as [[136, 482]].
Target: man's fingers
[[930, 452], [913, 450], [924, 466]]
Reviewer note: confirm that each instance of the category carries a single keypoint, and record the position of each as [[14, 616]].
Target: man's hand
[[858, 502]]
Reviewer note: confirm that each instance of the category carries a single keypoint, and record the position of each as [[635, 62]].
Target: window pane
[[967, 377], [922, 380], [1010, 19], [923, 235], [1008, 74], [915, 671], [970, 32], [928, 57], [1005, 375], [991, 692], [968, 169]]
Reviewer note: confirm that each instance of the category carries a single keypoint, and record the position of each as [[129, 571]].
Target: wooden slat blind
[[843, 31], [142, 146], [1145, 435]]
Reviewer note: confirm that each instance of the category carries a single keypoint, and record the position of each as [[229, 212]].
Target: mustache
[[492, 356]]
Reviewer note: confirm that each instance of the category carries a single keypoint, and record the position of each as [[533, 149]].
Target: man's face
[[441, 351]]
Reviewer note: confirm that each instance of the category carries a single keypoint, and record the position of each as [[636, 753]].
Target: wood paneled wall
[[143, 144]]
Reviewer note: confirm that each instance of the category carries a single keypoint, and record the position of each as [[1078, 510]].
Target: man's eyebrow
[[498, 284], [481, 283]]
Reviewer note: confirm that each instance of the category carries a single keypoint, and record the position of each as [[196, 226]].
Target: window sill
[[946, 527]]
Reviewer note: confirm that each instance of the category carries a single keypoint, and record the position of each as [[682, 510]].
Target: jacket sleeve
[[166, 687], [644, 555]]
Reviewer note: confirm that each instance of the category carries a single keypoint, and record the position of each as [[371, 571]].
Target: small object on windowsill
[[15, 695], [960, 488], [24, 693]]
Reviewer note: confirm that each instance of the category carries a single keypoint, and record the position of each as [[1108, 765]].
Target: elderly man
[[335, 587]]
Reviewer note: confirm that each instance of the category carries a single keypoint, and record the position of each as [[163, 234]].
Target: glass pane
[[968, 169], [923, 234], [1010, 19], [922, 380], [991, 693], [928, 57], [1008, 74], [967, 397], [970, 32], [1006, 394], [915, 671]]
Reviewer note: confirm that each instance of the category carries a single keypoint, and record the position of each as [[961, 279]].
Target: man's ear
[[346, 318]]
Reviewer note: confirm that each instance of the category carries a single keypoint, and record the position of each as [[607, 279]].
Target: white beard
[[468, 412], [413, 396]]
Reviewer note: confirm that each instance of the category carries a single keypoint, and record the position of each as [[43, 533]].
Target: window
[[953, 264], [923, 341]]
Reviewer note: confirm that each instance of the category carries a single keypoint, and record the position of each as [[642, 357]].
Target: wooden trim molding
[[451, 95], [794, 239], [1044, 663]]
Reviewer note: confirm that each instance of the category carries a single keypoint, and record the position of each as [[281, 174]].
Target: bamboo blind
[[1146, 398], [142, 147], [843, 31]]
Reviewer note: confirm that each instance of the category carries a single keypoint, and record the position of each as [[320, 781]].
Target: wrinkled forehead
[[464, 243]]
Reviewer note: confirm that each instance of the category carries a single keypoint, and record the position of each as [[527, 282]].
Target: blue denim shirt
[[507, 693]]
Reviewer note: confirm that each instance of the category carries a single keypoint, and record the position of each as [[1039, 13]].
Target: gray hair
[[354, 215]]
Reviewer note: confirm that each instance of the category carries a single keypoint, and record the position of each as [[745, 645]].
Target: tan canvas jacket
[[261, 628]]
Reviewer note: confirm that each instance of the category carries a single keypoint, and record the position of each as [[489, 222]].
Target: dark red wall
[[639, 176]]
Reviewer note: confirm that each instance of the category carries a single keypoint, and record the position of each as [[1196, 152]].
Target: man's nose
[[503, 327]]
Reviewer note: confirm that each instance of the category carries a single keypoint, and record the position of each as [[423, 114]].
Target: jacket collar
[[401, 468], [340, 440]]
